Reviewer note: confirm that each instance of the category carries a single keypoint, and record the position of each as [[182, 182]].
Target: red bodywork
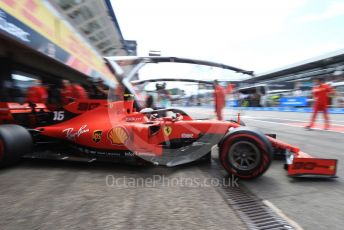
[[300, 163], [118, 130], [114, 127], [33, 115], [8, 110]]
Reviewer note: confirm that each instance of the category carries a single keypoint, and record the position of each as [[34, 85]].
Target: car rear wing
[[25, 107]]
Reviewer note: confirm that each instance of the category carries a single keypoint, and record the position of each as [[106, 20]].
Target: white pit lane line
[[255, 118], [287, 119], [296, 126], [274, 122], [282, 215]]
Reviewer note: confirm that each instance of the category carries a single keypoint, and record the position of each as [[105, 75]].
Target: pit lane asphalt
[[58, 195], [41, 194], [312, 203]]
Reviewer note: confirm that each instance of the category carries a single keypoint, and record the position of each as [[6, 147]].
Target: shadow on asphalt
[[106, 167], [314, 179]]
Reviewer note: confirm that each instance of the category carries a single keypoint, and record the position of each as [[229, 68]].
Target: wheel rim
[[244, 155]]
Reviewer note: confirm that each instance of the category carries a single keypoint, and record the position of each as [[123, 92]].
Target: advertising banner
[[22, 33], [293, 101], [232, 103], [32, 23]]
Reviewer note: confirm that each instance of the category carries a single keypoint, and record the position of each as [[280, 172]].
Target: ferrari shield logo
[[97, 135], [167, 130]]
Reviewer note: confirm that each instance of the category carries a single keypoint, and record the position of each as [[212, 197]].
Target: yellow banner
[[36, 15]]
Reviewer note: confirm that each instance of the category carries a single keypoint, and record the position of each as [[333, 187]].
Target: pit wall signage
[[293, 101], [32, 23]]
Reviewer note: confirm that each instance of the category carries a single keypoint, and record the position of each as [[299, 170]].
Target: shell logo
[[118, 136]]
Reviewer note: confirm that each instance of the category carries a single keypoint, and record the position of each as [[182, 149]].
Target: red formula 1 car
[[115, 132]]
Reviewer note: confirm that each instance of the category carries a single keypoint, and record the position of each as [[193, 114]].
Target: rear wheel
[[15, 141], [245, 153]]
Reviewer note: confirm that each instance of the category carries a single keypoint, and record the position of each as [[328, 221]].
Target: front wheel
[[236, 121], [245, 153]]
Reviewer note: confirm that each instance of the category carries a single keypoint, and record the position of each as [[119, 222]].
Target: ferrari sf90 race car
[[116, 132]]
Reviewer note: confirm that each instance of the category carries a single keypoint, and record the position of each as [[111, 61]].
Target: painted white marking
[[288, 119], [256, 118], [281, 214], [242, 115], [284, 119], [272, 122]]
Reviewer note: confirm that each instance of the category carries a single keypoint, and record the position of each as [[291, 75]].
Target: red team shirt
[[219, 97], [79, 92], [72, 92], [66, 94], [321, 95], [37, 94]]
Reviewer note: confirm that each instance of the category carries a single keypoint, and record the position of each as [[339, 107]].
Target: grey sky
[[255, 35]]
